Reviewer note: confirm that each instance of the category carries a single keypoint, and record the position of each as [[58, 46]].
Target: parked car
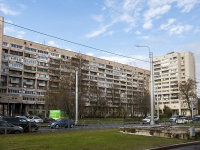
[[196, 118], [24, 123], [183, 120], [36, 119], [10, 128], [23, 117], [174, 118], [148, 120], [48, 120], [62, 122]]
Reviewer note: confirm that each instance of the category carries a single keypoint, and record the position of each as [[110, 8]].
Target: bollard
[[6, 124], [68, 124], [192, 132], [29, 127]]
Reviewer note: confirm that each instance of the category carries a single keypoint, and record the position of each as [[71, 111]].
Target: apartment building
[[26, 72], [169, 71]]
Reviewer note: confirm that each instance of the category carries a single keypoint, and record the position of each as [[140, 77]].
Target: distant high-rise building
[[169, 71], [28, 69]]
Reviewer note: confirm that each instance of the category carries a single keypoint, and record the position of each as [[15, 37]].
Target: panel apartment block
[[25, 75], [169, 71]]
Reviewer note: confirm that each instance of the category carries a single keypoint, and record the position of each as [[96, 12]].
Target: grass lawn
[[109, 139]]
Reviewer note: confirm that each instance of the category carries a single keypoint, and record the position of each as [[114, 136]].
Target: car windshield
[[59, 120], [173, 116], [149, 117]]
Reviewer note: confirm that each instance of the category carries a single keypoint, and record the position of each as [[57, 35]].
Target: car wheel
[[57, 126], [17, 132], [72, 125]]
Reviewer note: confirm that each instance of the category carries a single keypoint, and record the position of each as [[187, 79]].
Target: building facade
[[169, 71], [26, 73]]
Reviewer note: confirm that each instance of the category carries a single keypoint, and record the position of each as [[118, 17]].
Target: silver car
[[147, 120], [174, 118], [183, 120]]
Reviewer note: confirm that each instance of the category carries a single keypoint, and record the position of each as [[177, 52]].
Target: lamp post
[[152, 83], [76, 120], [157, 103]]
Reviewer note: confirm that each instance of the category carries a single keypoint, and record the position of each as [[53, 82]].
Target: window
[[15, 66], [29, 61], [16, 46], [109, 67], [5, 44], [55, 55], [42, 75], [43, 52], [43, 58], [17, 59], [42, 64], [14, 91], [30, 49], [5, 57]]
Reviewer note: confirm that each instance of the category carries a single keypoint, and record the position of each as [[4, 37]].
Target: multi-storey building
[[26, 72], [169, 71]]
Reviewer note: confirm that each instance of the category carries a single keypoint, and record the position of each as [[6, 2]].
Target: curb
[[175, 145]]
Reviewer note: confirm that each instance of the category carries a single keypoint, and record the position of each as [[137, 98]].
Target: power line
[[83, 45], [76, 43]]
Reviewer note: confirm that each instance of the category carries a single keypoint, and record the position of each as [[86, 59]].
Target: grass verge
[[83, 140]]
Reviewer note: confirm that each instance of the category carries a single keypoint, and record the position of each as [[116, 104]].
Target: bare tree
[[62, 98], [142, 101], [187, 91]]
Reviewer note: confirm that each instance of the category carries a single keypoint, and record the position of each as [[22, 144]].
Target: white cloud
[[154, 12], [187, 5], [98, 18], [20, 34], [144, 37], [147, 24], [158, 3], [178, 29], [7, 11], [8, 30], [175, 29], [168, 24], [126, 11], [98, 32], [22, 6], [90, 54], [52, 43], [109, 33], [138, 32]]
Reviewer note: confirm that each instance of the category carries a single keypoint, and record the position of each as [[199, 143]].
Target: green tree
[[167, 111]]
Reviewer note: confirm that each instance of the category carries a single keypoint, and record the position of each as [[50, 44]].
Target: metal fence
[[86, 125]]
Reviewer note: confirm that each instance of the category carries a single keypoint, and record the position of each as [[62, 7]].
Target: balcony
[[14, 81], [29, 83], [42, 84]]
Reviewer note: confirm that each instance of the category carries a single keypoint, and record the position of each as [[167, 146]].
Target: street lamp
[[152, 83], [76, 119]]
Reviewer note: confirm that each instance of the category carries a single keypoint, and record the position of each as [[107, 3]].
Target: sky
[[108, 26]]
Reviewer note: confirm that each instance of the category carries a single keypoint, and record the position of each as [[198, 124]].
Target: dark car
[[62, 122], [24, 123], [196, 118], [9, 128], [48, 120]]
